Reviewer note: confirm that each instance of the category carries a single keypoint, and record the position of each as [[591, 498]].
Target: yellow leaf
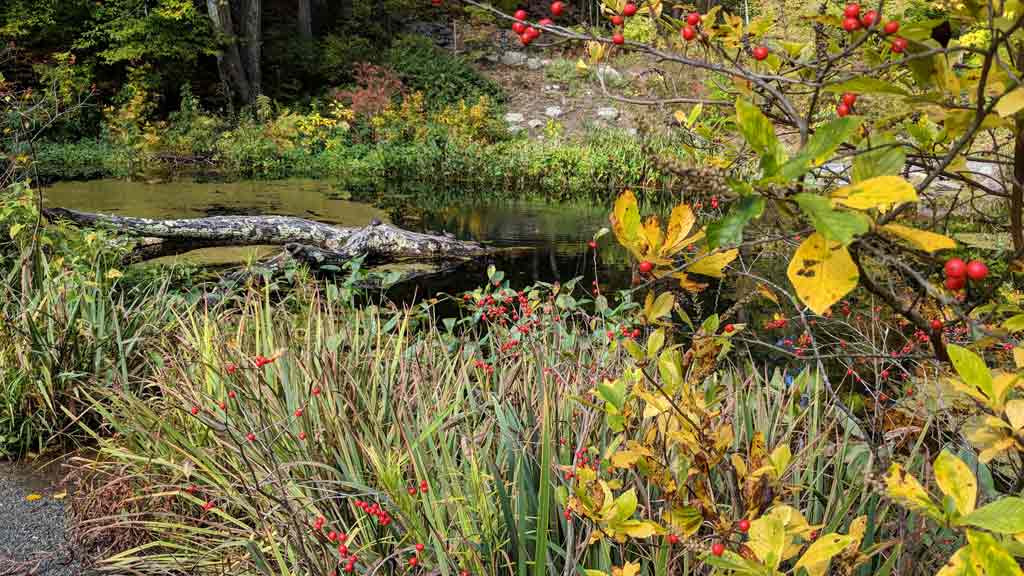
[[661, 306], [628, 569], [927, 241], [688, 284], [768, 539], [60, 495], [822, 272], [652, 234], [880, 192], [712, 264], [679, 225], [114, 274], [906, 490], [1018, 356], [1015, 413], [625, 221], [33, 497], [1011, 103], [680, 117], [857, 529], [817, 557], [684, 521], [636, 528], [780, 458], [957, 481]]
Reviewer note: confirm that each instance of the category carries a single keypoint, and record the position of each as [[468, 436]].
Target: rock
[[535, 123], [608, 74], [553, 112], [516, 128], [552, 88], [492, 58], [514, 118], [534, 63], [513, 58], [607, 113]]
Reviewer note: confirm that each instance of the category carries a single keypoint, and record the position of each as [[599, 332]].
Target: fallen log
[[312, 242]]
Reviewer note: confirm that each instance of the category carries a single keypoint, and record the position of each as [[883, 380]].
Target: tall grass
[[261, 419]]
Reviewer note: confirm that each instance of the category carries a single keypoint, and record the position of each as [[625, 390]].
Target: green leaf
[[759, 132], [1004, 516], [729, 230], [15, 228], [835, 225], [1014, 323], [825, 141], [613, 392], [866, 85], [661, 306], [882, 157], [956, 481], [971, 368]]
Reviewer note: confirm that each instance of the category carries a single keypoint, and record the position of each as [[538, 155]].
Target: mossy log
[[313, 242]]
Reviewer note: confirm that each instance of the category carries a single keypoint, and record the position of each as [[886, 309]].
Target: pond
[[546, 241]]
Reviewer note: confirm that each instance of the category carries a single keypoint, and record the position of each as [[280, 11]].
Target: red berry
[[532, 32], [646, 267], [936, 325], [743, 525], [842, 110], [718, 549], [195, 410], [332, 536], [420, 547], [414, 561], [955, 283], [617, 20], [629, 9], [231, 394], [412, 490], [892, 27], [316, 391], [977, 270], [688, 33], [618, 38], [592, 243], [760, 53], [298, 412], [436, 2], [424, 486], [349, 567], [520, 15], [955, 268], [557, 8], [852, 10], [899, 45], [250, 437], [518, 27], [546, 22], [635, 333], [870, 18], [525, 38], [851, 24], [849, 98], [693, 18], [223, 406], [302, 435], [729, 328]]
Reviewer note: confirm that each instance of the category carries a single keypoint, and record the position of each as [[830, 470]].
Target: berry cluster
[[957, 273]]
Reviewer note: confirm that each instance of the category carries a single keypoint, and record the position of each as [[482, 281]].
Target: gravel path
[[32, 533]]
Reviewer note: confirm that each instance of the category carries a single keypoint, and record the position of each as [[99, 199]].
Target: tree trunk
[[305, 17], [310, 241], [229, 59], [252, 28]]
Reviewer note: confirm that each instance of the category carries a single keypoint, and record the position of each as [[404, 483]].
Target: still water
[[545, 241]]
